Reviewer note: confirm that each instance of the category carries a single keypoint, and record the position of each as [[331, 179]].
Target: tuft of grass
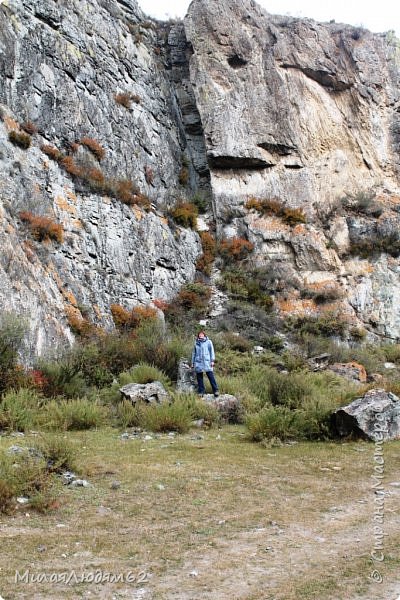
[[144, 373], [19, 409], [24, 475], [176, 416], [58, 452], [185, 214], [20, 139], [77, 414], [291, 216]]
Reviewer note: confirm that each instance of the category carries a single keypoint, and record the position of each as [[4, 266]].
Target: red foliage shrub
[[52, 152], [209, 245], [234, 249], [124, 99], [71, 167], [93, 145], [161, 304], [42, 228], [126, 320], [29, 127]]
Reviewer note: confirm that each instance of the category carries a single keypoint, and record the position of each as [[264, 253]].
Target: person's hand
[[212, 364]]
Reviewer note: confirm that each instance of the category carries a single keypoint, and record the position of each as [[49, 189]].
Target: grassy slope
[[234, 520]]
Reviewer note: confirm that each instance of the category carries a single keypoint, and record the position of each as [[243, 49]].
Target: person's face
[[202, 335]]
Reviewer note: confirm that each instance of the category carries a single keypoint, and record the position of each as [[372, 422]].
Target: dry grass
[[212, 517]]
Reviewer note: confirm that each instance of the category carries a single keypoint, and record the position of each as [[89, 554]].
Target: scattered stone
[[390, 365], [150, 393], [171, 434], [147, 438], [80, 483], [198, 423], [103, 511], [194, 573], [68, 477], [17, 434], [160, 486], [22, 500], [186, 377], [115, 485], [375, 377], [197, 437], [257, 350], [375, 416], [41, 548], [16, 450], [351, 370], [395, 483]]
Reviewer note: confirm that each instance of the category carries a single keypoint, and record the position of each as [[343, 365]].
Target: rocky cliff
[[125, 116]]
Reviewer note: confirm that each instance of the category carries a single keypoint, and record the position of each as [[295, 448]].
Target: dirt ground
[[209, 515]]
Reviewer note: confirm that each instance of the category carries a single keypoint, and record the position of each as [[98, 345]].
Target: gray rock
[[376, 416], [14, 449], [352, 371], [258, 350], [115, 485], [186, 381], [229, 407], [320, 362], [80, 483], [150, 393]]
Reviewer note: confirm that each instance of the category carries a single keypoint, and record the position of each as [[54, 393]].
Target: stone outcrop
[[62, 66], [229, 407], [305, 114], [186, 381], [376, 416], [231, 104], [149, 393]]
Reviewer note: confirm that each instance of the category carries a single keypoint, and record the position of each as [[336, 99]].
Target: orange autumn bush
[[42, 228]]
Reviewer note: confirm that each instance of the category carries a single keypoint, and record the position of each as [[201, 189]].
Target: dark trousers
[[211, 379]]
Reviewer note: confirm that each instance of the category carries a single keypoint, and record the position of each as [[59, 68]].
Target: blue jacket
[[203, 355]]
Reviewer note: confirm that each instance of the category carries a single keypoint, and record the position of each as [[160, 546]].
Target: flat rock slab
[[150, 393], [376, 416]]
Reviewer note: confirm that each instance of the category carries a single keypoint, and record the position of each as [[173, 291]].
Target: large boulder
[[186, 378], [150, 393], [229, 407], [376, 416]]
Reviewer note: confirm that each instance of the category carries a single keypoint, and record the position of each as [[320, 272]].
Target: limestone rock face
[[304, 114], [62, 67], [231, 104]]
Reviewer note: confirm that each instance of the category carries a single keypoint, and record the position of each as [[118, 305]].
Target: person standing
[[203, 358]]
